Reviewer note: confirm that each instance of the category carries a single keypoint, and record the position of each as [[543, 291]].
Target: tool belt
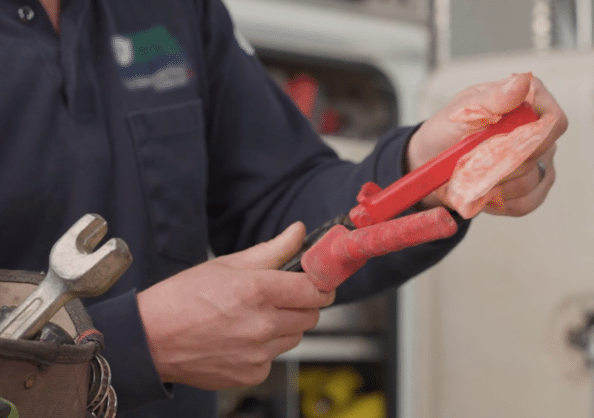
[[59, 373]]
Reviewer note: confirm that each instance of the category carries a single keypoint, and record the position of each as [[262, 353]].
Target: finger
[[482, 104], [500, 96], [280, 345], [544, 103], [281, 322], [255, 364], [285, 289], [271, 254], [291, 321], [523, 205], [529, 167], [469, 111]]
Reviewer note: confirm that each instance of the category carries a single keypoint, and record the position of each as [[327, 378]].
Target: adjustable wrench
[[74, 271]]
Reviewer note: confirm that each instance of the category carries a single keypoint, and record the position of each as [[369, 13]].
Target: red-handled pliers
[[337, 249]]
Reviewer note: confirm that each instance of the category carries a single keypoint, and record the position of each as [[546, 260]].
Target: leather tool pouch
[[43, 378]]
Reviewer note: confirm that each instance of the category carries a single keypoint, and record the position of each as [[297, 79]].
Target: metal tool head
[[73, 257]]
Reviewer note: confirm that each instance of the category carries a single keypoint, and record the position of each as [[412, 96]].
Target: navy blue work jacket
[[149, 113]]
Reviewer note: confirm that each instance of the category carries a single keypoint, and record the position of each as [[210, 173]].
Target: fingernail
[[509, 82], [291, 228]]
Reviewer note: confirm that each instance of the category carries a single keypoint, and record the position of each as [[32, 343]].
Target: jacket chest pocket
[[171, 155]]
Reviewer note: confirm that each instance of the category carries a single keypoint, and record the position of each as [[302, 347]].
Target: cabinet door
[[493, 318]]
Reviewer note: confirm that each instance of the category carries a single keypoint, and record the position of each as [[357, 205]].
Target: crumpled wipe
[[472, 186]]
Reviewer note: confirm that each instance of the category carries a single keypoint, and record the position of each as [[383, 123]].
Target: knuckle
[[522, 187], [294, 340], [260, 355], [519, 187], [521, 207], [263, 330], [548, 155], [261, 373], [563, 122], [312, 319], [538, 84], [251, 290], [552, 174], [255, 375]]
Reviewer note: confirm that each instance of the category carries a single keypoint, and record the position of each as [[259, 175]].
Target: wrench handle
[[36, 310]]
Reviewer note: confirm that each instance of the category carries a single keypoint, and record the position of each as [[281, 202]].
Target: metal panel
[[411, 10]]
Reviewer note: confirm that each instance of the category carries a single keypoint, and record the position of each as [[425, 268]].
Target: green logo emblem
[[151, 58]]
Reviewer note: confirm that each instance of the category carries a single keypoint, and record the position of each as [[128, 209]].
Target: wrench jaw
[[91, 274], [72, 256], [90, 236], [82, 237], [104, 267]]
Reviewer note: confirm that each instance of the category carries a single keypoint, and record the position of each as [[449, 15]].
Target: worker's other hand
[[523, 190], [220, 324]]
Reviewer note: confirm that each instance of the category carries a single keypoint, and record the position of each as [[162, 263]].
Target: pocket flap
[[175, 119]]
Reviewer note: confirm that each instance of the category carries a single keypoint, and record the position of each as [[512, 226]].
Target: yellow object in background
[[341, 385], [371, 405], [311, 379], [313, 403], [333, 394]]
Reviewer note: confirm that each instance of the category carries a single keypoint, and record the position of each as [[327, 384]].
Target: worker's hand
[[220, 324], [520, 192]]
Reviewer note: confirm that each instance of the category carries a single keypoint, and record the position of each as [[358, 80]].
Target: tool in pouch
[[340, 247], [55, 367]]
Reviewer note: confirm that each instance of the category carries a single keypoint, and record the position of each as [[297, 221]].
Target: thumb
[[272, 254], [482, 104], [508, 93], [471, 110]]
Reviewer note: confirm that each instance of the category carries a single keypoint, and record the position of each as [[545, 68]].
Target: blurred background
[[504, 327]]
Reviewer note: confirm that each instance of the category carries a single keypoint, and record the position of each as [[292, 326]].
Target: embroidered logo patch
[[151, 58]]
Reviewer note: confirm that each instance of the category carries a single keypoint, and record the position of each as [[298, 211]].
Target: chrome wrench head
[[72, 257], [75, 270]]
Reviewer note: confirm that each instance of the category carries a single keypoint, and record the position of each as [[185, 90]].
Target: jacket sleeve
[[137, 381], [269, 168]]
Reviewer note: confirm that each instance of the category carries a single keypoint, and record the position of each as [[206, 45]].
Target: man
[[150, 114]]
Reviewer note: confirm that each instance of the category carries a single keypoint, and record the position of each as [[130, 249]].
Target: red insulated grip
[[380, 205], [340, 252]]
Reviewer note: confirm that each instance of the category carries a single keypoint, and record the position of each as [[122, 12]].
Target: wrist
[[153, 334]]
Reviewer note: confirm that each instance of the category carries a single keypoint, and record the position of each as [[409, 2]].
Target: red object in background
[[377, 205], [331, 123], [303, 90]]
